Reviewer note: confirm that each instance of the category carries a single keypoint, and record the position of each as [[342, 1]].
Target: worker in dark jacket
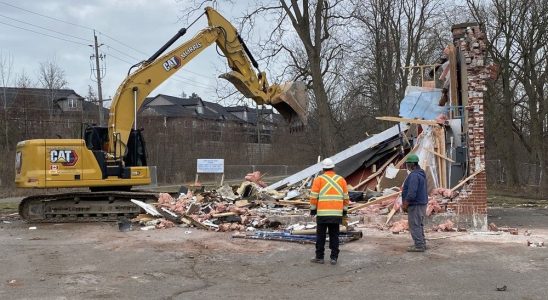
[[329, 202], [414, 201]]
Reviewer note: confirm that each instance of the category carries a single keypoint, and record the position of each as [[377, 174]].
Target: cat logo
[[64, 157], [172, 63]]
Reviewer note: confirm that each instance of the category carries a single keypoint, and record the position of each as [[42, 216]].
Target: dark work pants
[[321, 230], [415, 217]]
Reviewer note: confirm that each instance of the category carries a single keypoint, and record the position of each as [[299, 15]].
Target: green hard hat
[[412, 158]]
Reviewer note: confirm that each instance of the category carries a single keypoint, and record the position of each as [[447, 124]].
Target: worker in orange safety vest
[[329, 202]]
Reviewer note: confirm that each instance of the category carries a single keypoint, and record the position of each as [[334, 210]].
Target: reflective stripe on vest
[[330, 204]]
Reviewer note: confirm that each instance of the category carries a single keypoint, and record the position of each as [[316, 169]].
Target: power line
[[39, 14], [49, 35], [123, 53], [184, 80], [121, 43], [120, 59], [44, 28], [179, 78], [88, 28]]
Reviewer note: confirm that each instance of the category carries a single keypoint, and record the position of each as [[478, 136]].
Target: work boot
[[415, 249], [317, 261], [333, 261]]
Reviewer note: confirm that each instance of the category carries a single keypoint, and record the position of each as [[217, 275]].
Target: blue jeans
[[415, 218]]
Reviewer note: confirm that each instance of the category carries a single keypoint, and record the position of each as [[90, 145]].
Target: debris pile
[[448, 225], [511, 230], [222, 209]]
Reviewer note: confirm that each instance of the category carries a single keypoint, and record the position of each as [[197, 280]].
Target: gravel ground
[[96, 261]]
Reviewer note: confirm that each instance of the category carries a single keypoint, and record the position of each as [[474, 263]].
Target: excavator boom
[[290, 99]]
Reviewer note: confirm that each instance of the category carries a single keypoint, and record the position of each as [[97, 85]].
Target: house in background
[[200, 113], [48, 101]]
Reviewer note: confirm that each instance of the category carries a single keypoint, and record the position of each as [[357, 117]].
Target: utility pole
[[98, 76]]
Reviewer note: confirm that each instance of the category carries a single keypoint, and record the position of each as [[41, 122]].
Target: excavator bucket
[[290, 98], [292, 103]]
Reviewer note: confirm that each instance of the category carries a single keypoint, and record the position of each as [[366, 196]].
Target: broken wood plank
[[407, 120], [391, 214], [242, 203], [226, 214], [377, 200], [440, 155], [151, 210], [402, 161], [186, 219], [466, 180], [379, 171], [294, 202]]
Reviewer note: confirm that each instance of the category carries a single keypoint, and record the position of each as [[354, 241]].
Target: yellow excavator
[[111, 160]]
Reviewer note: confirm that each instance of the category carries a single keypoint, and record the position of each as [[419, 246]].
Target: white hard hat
[[328, 163]]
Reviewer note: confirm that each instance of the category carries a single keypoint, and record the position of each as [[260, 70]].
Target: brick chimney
[[471, 204]]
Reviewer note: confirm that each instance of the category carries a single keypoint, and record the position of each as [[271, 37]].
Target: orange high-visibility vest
[[329, 195]]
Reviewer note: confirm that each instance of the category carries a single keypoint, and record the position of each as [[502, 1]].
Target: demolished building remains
[[441, 121]]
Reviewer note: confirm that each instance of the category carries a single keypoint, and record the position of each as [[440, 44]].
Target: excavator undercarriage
[[83, 206]]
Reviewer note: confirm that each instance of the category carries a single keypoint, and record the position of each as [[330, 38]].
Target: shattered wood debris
[[249, 208]]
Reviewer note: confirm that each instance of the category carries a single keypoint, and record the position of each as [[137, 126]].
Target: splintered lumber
[[407, 120], [466, 180], [226, 214], [377, 200], [391, 214], [379, 171], [440, 155], [293, 202], [188, 220], [402, 161]]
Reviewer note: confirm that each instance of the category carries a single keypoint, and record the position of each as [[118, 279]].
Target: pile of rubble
[[222, 209]]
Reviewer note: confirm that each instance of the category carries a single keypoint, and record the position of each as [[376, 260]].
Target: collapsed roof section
[[349, 160]]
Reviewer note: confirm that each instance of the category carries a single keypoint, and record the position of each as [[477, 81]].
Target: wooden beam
[[377, 200], [380, 170], [466, 179], [226, 214], [391, 214], [294, 202], [402, 161], [442, 156], [407, 120]]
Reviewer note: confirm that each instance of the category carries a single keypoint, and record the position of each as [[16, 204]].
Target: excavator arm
[[289, 99]]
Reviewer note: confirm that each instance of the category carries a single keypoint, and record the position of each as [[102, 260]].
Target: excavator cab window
[[96, 137], [136, 150]]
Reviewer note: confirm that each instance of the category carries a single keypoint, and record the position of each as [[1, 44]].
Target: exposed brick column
[[470, 42]]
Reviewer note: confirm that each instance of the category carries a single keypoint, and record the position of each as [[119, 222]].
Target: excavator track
[[83, 206]]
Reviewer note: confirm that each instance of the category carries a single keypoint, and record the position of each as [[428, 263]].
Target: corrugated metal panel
[[341, 156]]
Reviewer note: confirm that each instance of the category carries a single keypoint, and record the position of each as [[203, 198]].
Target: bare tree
[[517, 43], [6, 66], [23, 80], [52, 77], [394, 34], [304, 39]]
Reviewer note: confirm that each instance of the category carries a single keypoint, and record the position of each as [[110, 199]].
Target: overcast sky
[[131, 31]]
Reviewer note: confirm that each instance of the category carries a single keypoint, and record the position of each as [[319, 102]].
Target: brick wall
[[470, 42]]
